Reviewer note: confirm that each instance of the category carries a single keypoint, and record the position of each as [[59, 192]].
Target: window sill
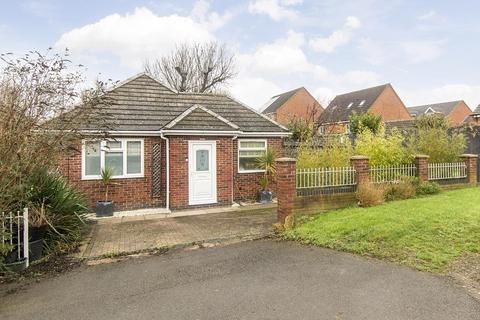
[[113, 178], [252, 171]]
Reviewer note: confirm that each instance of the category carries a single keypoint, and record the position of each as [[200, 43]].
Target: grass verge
[[425, 233]]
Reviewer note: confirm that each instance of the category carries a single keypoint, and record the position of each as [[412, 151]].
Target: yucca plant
[[267, 163], [59, 205], [106, 176]]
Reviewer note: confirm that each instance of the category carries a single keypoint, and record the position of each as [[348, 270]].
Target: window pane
[[114, 145], [251, 153], [248, 164], [201, 159], [92, 158], [252, 144], [114, 160], [134, 157]]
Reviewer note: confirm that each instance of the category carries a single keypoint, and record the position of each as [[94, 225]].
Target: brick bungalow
[[381, 100], [174, 150], [298, 103], [455, 111]]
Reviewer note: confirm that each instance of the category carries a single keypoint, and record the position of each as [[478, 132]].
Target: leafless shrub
[[38, 118]]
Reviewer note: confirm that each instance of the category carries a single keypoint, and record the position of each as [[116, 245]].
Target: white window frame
[[251, 149], [103, 150]]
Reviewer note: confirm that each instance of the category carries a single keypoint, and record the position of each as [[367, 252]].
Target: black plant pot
[[17, 266], [35, 249], [104, 208], [37, 233], [264, 196]]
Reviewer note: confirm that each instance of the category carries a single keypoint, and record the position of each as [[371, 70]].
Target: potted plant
[[37, 220], [267, 163], [9, 255], [105, 208]]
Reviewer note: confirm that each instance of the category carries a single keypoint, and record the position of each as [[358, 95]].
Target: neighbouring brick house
[[174, 150], [298, 103], [455, 111], [381, 100]]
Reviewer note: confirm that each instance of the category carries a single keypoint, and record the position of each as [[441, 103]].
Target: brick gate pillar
[[421, 163], [286, 187], [471, 164], [362, 167]]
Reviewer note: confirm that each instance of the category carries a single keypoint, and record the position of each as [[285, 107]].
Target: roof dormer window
[[361, 103], [350, 105]]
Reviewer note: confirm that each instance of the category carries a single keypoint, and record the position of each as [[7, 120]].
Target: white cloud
[[372, 52], [210, 19], [134, 37], [427, 16], [361, 78], [275, 9], [254, 91], [422, 51], [291, 2], [282, 65], [281, 57], [337, 38], [447, 92]]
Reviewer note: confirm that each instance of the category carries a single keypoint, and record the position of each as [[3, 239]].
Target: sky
[[428, 50]]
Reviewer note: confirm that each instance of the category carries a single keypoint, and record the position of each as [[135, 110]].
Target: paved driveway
[[148, 232], [250, 280]]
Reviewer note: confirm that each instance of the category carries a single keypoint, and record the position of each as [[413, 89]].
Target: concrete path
[[249, 280], [114, 236]]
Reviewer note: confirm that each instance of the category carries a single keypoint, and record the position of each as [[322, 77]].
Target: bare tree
[[194, 68], [38, 118]]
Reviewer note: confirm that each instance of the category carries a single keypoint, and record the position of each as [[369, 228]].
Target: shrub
[[64, 208], [438, 144], [369, 195], [382, 149], [335, 153], [365, 121], [427, 188], [404, 189]]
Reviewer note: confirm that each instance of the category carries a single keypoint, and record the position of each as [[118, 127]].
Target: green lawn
[[426, 233]]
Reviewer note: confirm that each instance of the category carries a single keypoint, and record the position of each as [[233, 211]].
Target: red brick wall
[[389, 106], [133, 193], [179, 170], [128, 193], [246, 185], [458, 114], [300, 105]]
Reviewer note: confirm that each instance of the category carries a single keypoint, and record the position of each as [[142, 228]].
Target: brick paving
[[114, 236]]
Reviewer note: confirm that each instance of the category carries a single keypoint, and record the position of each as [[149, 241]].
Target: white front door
[[202, 172]]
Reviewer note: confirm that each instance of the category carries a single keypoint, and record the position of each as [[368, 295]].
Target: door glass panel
[[202, 163]]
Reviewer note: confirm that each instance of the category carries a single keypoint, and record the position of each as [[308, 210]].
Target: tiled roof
[[144, 104], [277, 101], [342, 106], [444, 108]]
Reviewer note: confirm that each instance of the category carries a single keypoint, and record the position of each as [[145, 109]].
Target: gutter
[[167, 182]]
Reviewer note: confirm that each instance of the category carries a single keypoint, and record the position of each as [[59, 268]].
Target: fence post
[[471, 166], [421, 163], [361, 166], [286, 187], [26, 249]]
